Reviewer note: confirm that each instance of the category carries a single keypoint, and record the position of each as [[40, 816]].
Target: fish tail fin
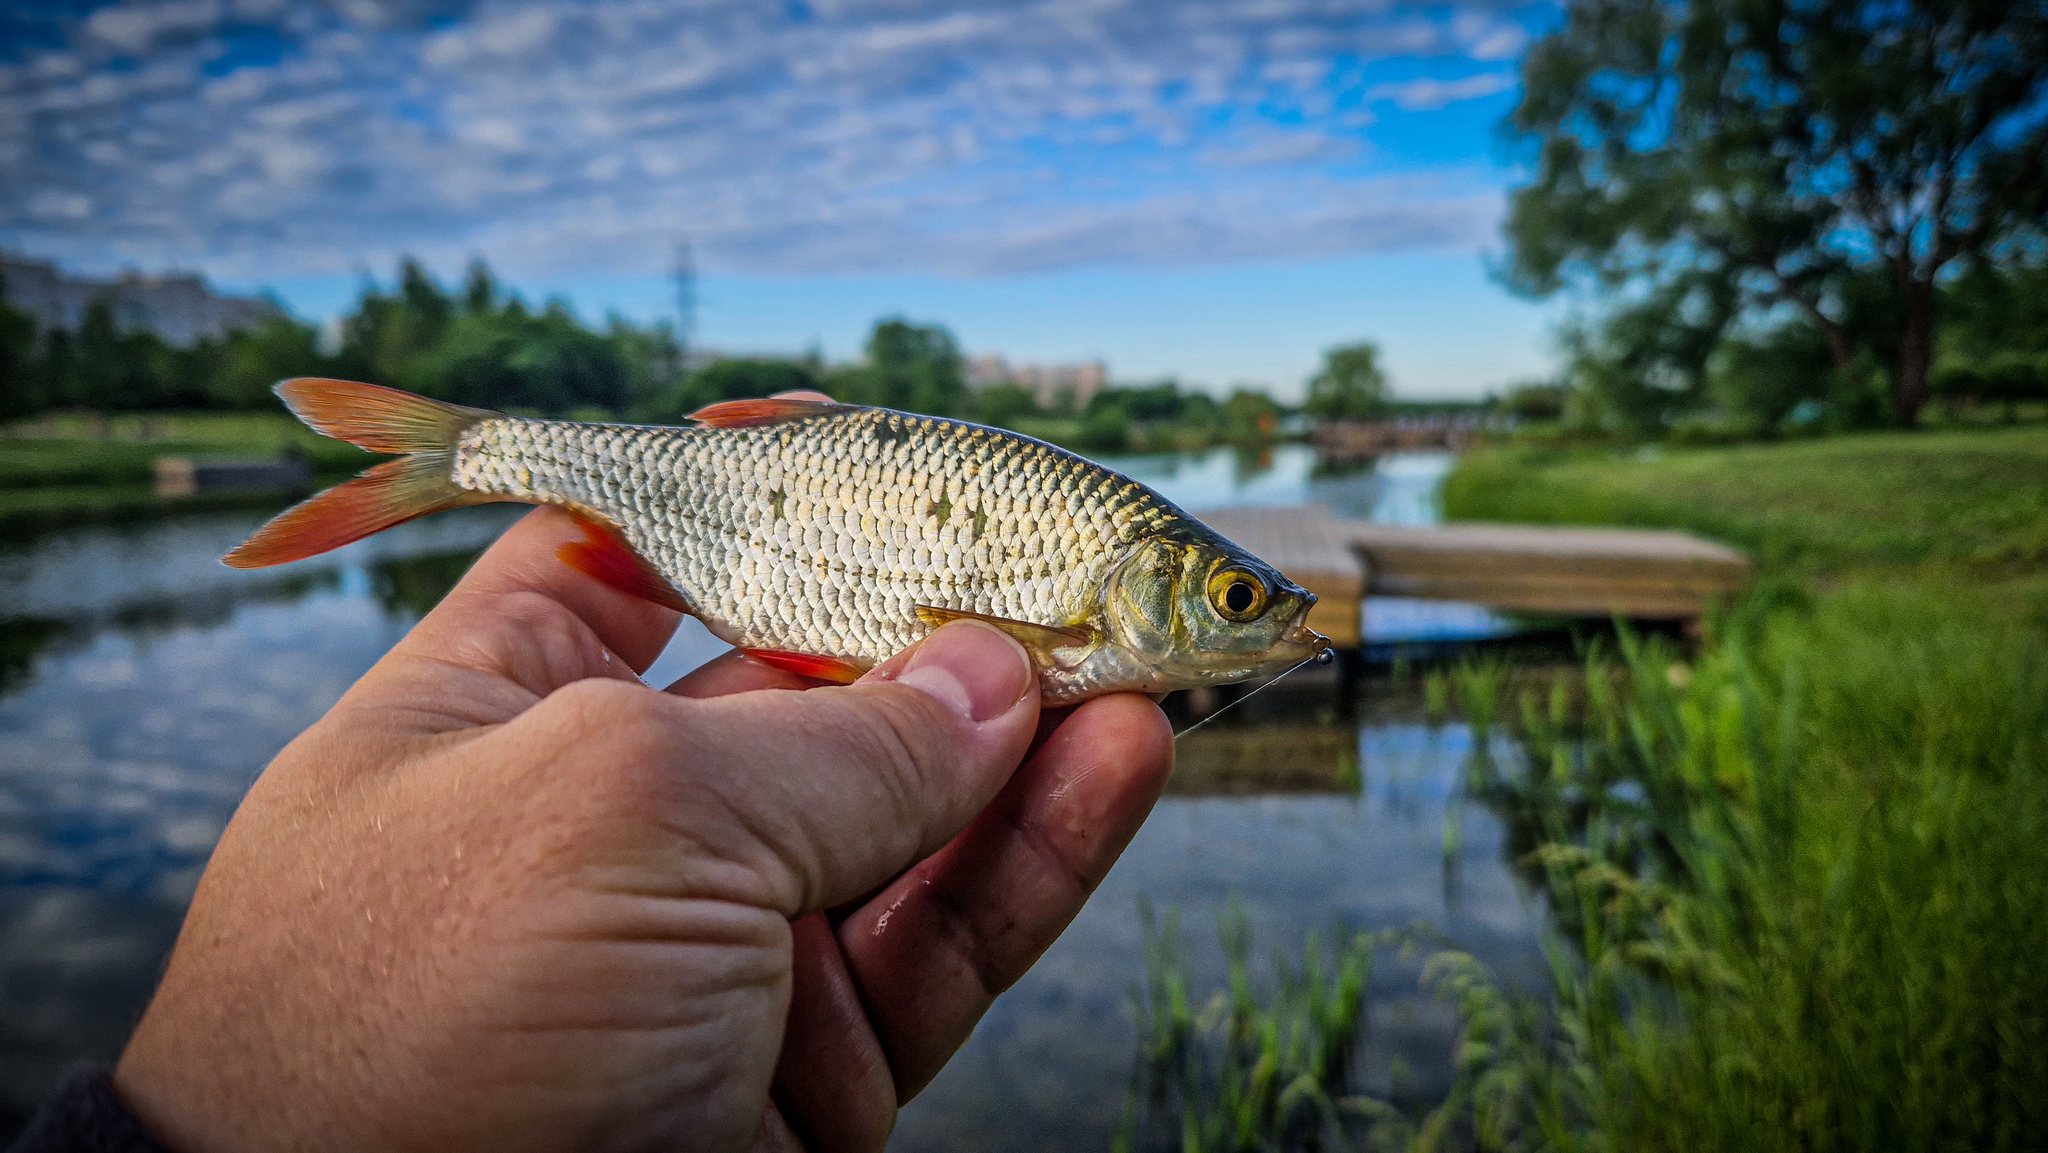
[[377, 418], [391, 493]]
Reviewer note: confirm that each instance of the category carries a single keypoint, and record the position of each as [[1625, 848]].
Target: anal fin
[[1037, 639], [604, 555], [838, 670]]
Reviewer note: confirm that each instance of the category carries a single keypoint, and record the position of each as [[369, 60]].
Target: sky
[[1215, 190]]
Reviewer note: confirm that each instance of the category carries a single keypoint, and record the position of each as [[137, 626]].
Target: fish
[[821, 537]]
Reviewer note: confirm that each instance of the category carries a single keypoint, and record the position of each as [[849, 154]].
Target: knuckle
[[616, 733]]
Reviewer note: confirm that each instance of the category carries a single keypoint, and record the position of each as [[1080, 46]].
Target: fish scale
[[838, 524]]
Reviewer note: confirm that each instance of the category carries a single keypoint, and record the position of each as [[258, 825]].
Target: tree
[[23, 388], [653, 357], [512, 358], [1002, 404], [1776, 150], [1250, 417], [1351, 385], [386, 334], [1534, 400], [732, 379], [254, 359], [914, 367]]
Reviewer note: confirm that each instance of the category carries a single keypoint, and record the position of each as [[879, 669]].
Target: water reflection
[[143, 686]]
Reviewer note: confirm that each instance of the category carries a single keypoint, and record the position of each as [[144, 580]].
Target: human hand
[[503, 895]]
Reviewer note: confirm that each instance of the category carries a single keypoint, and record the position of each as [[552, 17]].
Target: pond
[[143, 686]]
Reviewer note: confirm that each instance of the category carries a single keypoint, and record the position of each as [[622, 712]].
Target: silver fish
[[823, 537]]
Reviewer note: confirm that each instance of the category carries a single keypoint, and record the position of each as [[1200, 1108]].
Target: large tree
[[1782, 150], [914, 367], [1351, 385]]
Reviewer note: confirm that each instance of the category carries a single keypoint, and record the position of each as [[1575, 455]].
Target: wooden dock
[[1596, 572], [185, 476]]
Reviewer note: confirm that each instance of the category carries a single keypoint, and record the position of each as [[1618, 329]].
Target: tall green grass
[[1799, 898], [1268, 1061], [1800, 888]]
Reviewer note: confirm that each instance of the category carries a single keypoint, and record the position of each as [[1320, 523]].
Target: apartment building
[[177, 306], [1048, 382]]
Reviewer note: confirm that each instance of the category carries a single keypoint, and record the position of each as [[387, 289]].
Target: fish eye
[[1237, 594]]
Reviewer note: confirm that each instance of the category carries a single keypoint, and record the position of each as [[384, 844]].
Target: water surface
[[143, 686]]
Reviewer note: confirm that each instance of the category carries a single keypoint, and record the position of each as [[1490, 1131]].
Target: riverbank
[[72, 468], [1973, 501], [1797, 876]]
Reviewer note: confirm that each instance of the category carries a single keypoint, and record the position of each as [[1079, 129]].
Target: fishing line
[[1319, 658]]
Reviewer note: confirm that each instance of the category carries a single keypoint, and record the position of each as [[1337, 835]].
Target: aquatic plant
[[1261, 1064]]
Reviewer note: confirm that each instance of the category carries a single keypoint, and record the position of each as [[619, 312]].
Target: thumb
[[824, 795]]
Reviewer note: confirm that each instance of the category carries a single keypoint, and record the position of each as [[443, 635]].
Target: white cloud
[[1423, 94], [887, 134]]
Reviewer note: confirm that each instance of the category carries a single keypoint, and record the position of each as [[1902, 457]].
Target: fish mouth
[[1300, 636]]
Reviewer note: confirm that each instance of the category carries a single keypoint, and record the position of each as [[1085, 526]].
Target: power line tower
[[686, 300]]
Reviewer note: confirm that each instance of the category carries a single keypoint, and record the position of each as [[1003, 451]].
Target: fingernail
[[972, 669]]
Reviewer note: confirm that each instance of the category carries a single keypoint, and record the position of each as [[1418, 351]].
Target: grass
[[1261, 1064], [1797, 880], [64, 468], [75, 450], [1800, 882], [1974, 500]]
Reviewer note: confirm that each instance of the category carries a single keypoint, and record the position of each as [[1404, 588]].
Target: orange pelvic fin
[[385, 495], [838, 670], [748, 413], [605, 556], [1039, 640]]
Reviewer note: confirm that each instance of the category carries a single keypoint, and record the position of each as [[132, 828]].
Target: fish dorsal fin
[[604, 555], [1039, 640], [748, 413], [838, 670]]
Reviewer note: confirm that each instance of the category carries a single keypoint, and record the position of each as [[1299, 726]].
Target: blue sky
[[1215, 189]]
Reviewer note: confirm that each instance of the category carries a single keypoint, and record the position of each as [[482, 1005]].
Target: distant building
[[1048, 382], [177, 306]]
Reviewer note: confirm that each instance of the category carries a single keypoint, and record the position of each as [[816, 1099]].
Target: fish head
[[1195, 610]]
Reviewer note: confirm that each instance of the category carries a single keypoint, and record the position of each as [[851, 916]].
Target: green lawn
[[79, 450], [1975, 500]]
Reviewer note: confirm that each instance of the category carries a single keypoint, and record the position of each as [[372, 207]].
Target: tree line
[[1825, 210], [479, 344]]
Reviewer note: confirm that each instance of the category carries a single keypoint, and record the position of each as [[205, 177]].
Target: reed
[[1268, 1061], [1797, 888]]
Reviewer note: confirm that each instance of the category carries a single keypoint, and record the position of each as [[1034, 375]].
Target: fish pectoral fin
[[1038, 640], [838, 670], [603, 555], [748, 413]]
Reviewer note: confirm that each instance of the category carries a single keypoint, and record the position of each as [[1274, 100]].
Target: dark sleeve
[[84, 1115]]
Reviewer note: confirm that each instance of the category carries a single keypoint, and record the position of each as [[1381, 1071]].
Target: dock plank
[[1635, 573]]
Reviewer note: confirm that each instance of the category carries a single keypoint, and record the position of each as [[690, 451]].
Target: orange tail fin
[[391, 493]]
